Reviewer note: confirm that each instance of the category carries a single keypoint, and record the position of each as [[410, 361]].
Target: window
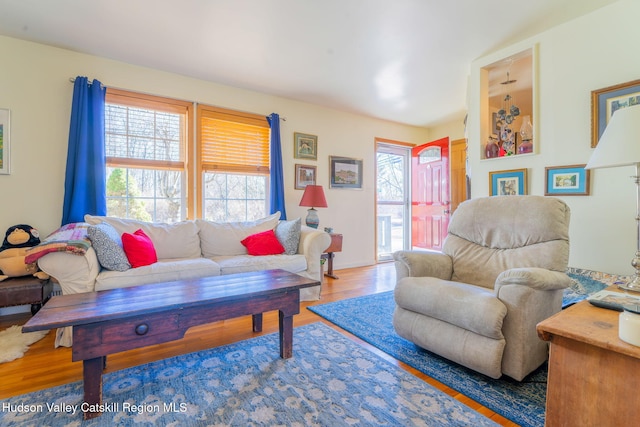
[[233, 165], [146, 141]]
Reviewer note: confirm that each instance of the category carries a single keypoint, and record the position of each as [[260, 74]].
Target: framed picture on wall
[[566, 181], [345, 172], [605, 102], [305, 146], [5, 142], [508, 183], [305, 175]]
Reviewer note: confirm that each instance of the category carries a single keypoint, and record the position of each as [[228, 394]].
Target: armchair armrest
[[422, 264], [533, 277], [312, 244], [530, 295]]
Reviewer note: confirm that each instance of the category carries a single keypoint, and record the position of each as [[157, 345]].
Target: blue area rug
[[370, 317], [329, 381], [582, 286]]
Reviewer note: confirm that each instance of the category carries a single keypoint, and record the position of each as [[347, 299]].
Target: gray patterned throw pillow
[[108, 246], [288, 234]]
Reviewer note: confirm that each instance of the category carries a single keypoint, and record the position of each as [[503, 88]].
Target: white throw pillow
[[175, 240], [223, 238]]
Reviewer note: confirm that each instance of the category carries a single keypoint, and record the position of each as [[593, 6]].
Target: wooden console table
[[594, 376], [335, 246], [115, 320]]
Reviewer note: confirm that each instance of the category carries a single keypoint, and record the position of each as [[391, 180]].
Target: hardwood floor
[[43, 366]]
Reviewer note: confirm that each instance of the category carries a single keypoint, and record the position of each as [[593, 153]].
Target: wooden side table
[[335, 246], [594, 376], [25, 290]]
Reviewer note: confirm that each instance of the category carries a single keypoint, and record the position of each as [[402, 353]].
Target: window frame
[[236, 117], [162, 104]]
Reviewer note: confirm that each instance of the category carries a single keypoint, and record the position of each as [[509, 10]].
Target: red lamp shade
[[313, 197]]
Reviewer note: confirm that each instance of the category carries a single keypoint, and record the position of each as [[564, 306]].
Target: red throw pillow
[[139, 249], [265, 243]]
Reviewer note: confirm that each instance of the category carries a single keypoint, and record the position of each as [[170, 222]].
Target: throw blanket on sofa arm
[[71, 238]]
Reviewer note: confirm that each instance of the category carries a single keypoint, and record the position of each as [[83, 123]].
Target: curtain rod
[[73, 79]]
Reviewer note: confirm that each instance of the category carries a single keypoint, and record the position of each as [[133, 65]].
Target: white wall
[[34, 85], [589, 53], [592, 52]]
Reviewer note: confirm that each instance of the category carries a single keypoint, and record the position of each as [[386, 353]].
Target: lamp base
[[312, 220], [633, 285]]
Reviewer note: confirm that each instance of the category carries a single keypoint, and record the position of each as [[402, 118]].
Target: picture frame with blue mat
[[606, 101], [508, 182], [572, 180]]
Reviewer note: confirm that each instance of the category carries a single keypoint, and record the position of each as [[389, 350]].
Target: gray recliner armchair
[[501, 271]]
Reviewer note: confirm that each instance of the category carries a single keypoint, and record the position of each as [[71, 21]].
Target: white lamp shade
[[620, 141]]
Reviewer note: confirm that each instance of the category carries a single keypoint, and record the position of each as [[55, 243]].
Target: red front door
[[430, 203]]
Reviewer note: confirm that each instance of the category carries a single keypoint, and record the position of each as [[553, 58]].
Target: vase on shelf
[[526, 134], [492, 148]]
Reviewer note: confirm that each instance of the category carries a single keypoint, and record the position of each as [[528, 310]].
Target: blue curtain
[[85, 179], [276, 198]]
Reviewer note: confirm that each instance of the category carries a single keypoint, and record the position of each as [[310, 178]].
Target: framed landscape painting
[[345, 172], [566, 181], [5, 143], [508, 183]]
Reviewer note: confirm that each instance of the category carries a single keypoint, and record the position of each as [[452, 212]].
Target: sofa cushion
[[264, 243], [288, 233], [248, 263], [139, 249], [108, 246], [223, 238], [161, 271], [175, 240]]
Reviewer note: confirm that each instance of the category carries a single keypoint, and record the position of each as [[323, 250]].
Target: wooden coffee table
[[116, 320]]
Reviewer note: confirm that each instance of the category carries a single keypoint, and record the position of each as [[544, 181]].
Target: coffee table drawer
[[140, 328], [120, 335]]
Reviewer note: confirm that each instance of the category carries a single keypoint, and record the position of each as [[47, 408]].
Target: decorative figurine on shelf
[[508, 140]]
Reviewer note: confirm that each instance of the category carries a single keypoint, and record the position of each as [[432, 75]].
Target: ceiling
[[405, 61]]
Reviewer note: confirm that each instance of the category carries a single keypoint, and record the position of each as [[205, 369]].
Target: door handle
[[446, 211]]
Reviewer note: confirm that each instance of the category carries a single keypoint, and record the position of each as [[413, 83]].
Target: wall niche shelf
[[508, 106]]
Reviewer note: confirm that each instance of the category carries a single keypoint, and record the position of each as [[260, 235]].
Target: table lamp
[[619, 145], [313, 197]]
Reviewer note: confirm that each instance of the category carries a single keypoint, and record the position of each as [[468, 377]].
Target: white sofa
[[187, 249]]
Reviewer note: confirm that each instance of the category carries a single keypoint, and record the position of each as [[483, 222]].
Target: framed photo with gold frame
[[305, 146], [305, 175], [508, 183], [606, 101]]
